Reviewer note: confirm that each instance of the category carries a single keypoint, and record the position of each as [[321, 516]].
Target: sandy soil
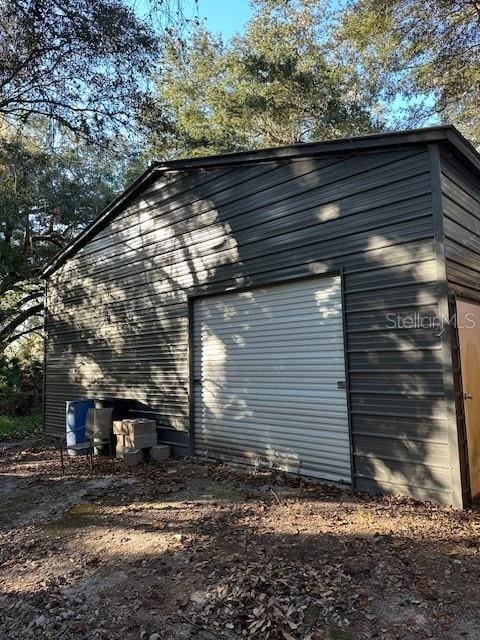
[[203, 551]]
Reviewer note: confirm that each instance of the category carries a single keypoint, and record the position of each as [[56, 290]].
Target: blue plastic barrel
[[76, 419]]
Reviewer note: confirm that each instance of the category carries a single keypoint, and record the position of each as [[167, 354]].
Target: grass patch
[[78, 517], [15, 427]]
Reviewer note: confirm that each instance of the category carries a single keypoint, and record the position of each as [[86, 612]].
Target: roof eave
[[341, 145]]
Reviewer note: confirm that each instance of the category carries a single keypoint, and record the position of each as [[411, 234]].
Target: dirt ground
[[193, 550]]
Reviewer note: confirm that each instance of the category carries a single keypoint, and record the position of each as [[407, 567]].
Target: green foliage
[[20, 386], [273, 85], [16, 427], [79, 63], [424, 57], [72, 73], [47, 195]]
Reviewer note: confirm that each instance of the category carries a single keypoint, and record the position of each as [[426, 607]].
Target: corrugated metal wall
[[460, 202], [461, 211], [267, 363], [118, 325]]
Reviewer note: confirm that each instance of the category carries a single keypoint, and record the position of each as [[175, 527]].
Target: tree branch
[[15, 336], [20, 318], [15, 309]]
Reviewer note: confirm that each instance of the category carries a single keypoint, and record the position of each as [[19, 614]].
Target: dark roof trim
[[341, 145], [446, 134]]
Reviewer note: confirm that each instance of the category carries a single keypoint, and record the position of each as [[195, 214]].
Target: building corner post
[[445, 326], [44, 364]]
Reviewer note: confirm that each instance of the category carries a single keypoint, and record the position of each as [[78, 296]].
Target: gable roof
[[446, 135]]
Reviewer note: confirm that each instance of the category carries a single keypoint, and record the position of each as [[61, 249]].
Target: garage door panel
[[266, 367], [269, 296], [270, 433], [308, 377], [282, 461], [282, 401], [250, 384], [289, 312], [246, 407], [334, 421], [271, 367], [300, 459], [273, 325], [302, 454], [264, 334]]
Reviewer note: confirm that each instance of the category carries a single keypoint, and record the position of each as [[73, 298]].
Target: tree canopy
[[45, 200], [76, 62], [73, 75], [422, 59], [273, 85]]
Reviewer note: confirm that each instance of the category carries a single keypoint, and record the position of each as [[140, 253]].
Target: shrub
[[20, 386]]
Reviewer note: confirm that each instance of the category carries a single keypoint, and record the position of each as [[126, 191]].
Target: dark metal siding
[[461, 210], [118, 309], [460, 189]]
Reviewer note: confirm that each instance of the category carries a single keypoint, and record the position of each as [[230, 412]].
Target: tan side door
[[468, 322]]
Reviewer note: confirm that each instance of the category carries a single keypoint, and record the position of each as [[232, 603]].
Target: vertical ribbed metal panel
[[266, 366]]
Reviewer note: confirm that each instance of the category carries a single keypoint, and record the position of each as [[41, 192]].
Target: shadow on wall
[[119, 321]]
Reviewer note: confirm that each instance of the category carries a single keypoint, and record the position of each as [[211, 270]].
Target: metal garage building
[[284, 307]]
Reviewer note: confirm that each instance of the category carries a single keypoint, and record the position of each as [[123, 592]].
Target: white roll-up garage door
[[269, 378]]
